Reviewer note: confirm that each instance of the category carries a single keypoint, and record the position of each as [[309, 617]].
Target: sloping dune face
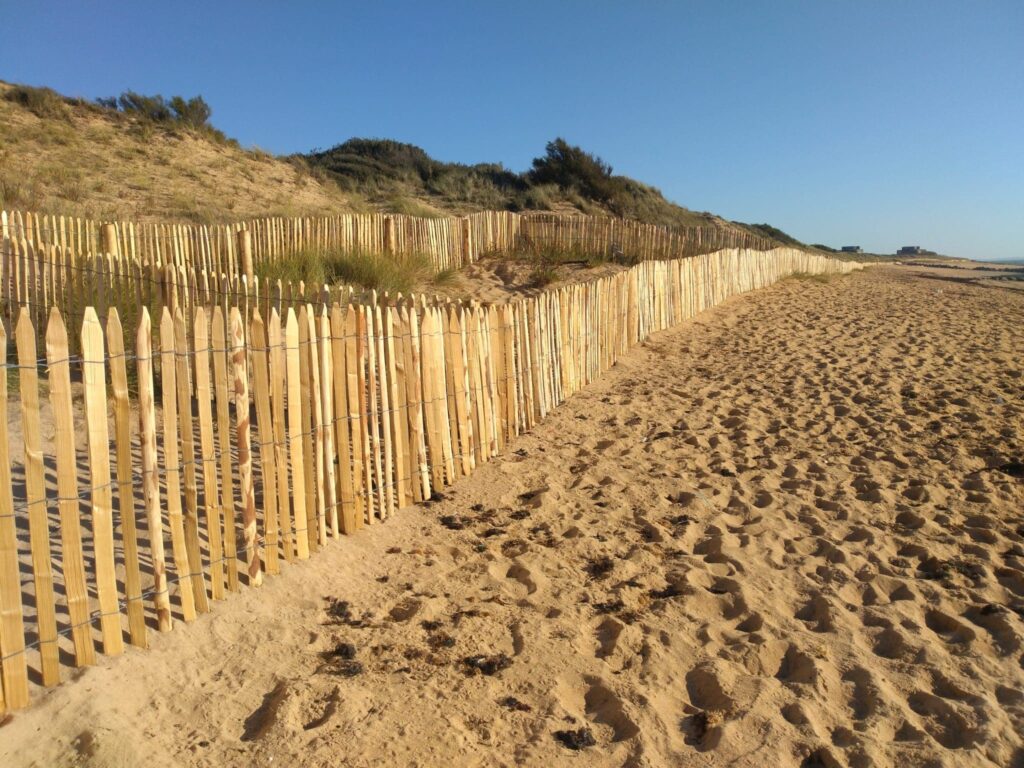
[[789, 532]]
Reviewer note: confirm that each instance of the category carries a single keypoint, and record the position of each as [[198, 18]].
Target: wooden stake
[[317, 427], [389, 477], [357, 425], [67, 490], [278, 380], [307, 477], [399, 407], [150, 468], [14, 669], [419, 469], [188, 460], [172, 474], [208, 450], [343, 420], [227, 496], [95, 385], [268, 458], [328, 478], [241, 375], [291, 340]]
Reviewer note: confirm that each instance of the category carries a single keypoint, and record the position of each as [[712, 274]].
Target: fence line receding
[[153, 464]]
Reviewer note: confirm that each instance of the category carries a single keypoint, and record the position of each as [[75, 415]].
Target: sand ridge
[[790, 530]]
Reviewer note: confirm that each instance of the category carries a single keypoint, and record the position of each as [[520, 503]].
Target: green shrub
[[570, 167], [174, 113]]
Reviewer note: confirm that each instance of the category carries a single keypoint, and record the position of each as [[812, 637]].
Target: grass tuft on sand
[[398, 273]]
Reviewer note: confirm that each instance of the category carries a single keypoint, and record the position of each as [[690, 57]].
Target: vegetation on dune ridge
[[156, 158], [565, 179], [774, 233]]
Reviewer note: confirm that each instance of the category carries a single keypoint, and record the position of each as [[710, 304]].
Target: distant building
[[852, 249], [910, 250]]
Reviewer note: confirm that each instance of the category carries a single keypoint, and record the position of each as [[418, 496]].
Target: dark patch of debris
[[600, 567], [576, 740], [487, 665]]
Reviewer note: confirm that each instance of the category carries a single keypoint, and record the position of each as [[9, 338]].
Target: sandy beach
[[788, 532]]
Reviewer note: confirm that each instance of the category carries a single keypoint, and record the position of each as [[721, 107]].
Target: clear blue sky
[[873, 123]]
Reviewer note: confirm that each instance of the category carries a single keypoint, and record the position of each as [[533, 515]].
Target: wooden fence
[[451, 242], [170, 463]]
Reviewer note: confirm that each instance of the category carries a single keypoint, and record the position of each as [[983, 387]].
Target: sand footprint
[[818, 612], [604, 707], [709, 707], [797, 668], [263, 718], [995, 620], [864, 698], [943, 722], [521, 574], [607, 634], [891, 644], [1011, 579], [948, 628]]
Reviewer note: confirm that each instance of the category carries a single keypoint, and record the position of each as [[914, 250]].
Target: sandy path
[[776, 533]]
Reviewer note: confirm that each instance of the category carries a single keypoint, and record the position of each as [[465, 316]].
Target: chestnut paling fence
[[47, 253], [451, 241], [152, 468]]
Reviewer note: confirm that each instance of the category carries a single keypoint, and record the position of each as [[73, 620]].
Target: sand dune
[[790, 532]]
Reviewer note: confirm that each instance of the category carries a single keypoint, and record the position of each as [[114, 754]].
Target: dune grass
[[813, 278], [397, 273]]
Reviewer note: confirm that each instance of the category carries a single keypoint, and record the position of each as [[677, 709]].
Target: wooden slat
[[384, 387], [296, 453], [500, 376], [455, 357], [329, 485], [67, 490], [317, 426], [373, 415], [268, 458], [481, 435], [95, 386], [208, 451], [218, 338], [431, 398], [442, 396], [241, 379], [278, 381], [188, 460], [172, 466], [362, 385], [419, 469], [14, 669], [342, 424], [397, 397], [150, 471], [306, 482], [357, 427]]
